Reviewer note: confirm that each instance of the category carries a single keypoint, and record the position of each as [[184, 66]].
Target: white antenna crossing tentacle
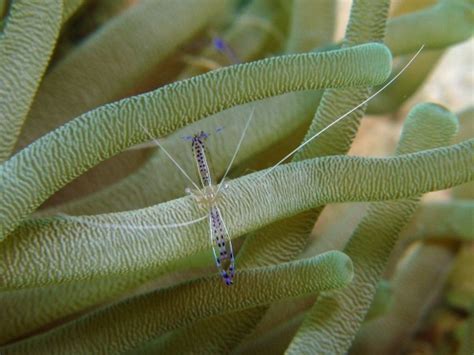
[[343, 116], [239, 144], [169, 156], [85, 221]]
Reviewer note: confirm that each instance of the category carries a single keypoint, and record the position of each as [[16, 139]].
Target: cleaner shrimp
[[208, 194]]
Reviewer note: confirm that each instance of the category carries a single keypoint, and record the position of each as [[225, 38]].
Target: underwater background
[[360, 242]]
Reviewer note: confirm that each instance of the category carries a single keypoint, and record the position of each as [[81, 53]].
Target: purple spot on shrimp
[[219, 43]]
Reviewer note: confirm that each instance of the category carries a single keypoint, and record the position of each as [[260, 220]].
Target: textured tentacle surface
[[155, 313], [339, 315], [26, 45], [283, 241], [90, 138], [101, 253], [98, 251]]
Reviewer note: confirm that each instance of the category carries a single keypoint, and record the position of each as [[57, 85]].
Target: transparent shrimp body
[[208, 196]]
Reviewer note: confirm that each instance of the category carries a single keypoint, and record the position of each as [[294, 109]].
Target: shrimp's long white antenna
[[344, 115], [169, 156], [83, 220], [247, 124]]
